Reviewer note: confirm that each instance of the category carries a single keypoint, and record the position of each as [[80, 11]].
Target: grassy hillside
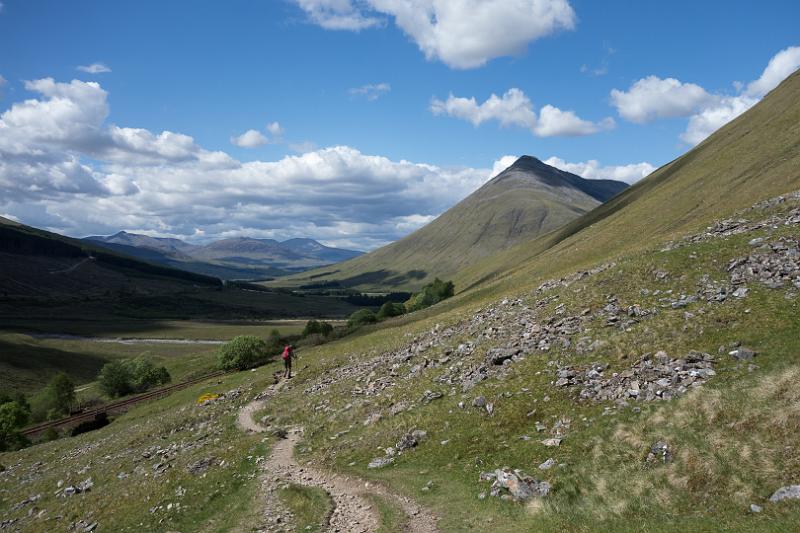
[[755, 156], [526, 200], [45, 275], [730, 435], [644, 366], [34, 351]]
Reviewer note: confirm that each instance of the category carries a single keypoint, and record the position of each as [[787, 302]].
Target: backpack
[[286, 353]]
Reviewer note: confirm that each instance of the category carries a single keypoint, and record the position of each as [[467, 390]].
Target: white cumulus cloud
[[555, 122], [63, 167], [461, 33], [250, 139], [338, 14], [254, 138], [711, 118], [503, 163], [514, 108], [778, 69], [652, 97], [275, 129], [592, 170], [94, 68]]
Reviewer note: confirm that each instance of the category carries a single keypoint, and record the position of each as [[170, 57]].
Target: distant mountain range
[[235, 258], [527, 199]]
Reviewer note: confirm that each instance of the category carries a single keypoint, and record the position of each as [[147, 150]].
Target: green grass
[[29, 363], [309, 505], [734, 439], [221, 499], [157, 329], [604, 483], [391, 517]]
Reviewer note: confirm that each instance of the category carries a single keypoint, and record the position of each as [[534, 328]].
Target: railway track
[[118, 406]]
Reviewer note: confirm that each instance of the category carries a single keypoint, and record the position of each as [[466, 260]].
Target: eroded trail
[[352, 511]]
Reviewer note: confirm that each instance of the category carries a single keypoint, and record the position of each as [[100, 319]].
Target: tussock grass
[[309, 505]]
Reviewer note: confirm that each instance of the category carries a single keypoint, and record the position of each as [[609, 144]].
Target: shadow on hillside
[[386, 278], [84, 326], [28, 366]]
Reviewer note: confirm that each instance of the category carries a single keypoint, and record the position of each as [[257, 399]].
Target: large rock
[[498, 356], [516, 483], [789, 492], [743, 353]]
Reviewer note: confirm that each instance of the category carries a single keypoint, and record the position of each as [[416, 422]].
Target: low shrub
[[243, 352], [390, 309], [361, 317]]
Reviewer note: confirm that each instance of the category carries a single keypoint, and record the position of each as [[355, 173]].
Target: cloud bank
[[63, 167]]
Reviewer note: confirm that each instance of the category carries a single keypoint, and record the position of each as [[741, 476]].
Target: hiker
[[288, 354]]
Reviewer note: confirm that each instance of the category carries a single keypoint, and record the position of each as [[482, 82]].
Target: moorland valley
[[551, 352]]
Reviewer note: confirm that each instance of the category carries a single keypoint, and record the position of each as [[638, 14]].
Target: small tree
[[54, 400], [390, 309], [361, 317], [315, 327], [243, 352], [274, 342], [145, 375], [116, 379], [12, 417]]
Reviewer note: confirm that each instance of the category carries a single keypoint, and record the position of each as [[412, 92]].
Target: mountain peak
[[526, 159], [529, 162]]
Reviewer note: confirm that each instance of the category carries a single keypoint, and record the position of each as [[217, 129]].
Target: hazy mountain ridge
[[232, 258]]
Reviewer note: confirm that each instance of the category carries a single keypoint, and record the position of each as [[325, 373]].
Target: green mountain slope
[[754, 157], [527, 199]]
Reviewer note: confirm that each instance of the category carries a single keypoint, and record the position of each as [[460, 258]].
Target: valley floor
[[654, 392]]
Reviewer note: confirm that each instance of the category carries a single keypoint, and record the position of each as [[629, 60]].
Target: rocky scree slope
[[531, 394]]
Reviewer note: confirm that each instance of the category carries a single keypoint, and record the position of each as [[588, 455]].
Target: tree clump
[[316, 327], [118, 378], [431, 294]]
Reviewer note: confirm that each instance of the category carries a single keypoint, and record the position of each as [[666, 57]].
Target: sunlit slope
[[754, 157], [527, 199]]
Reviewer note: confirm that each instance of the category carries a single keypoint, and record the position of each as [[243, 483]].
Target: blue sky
[[373, 127]]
